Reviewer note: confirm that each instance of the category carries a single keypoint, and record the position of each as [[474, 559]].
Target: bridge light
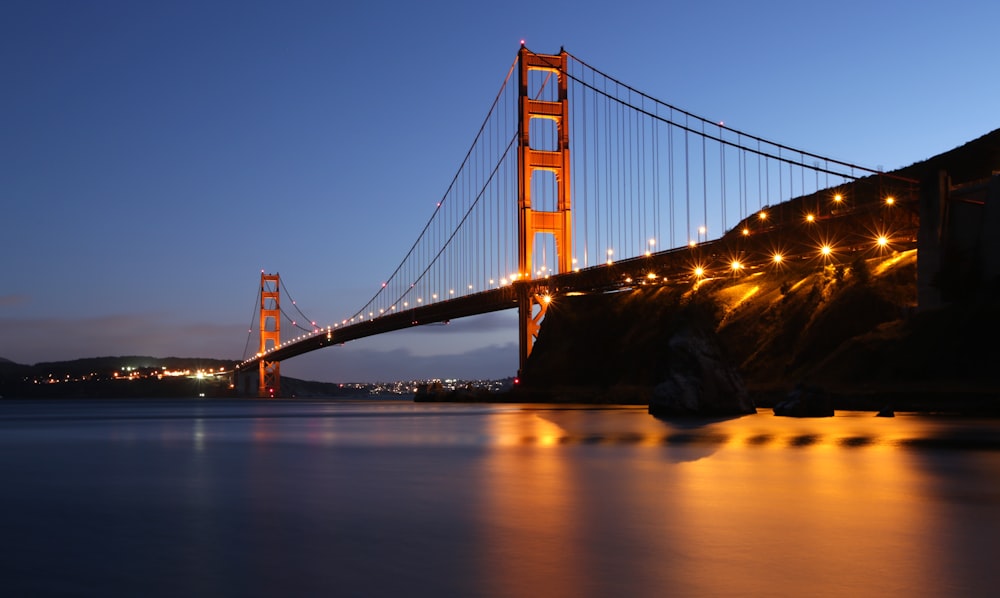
[[882, 241], [890, 200], [434, 296], [762, 215], [491, 281], [651, 276], [547, 299], [777, 258], [746, 232], [838, 198], [736, 265], [692, 243], [825, 250], [699, 271], [810, 218], [406, 304]]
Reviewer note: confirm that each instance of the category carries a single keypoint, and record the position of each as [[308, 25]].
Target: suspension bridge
[[576, 182]]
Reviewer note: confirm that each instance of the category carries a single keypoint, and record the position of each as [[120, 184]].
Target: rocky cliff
[[851, 332]]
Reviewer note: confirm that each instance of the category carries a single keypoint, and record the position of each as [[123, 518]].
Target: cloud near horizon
[[36, 340], [13, 300], [359, 364], [473, 348]]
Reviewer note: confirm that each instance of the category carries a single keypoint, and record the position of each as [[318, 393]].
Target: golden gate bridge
[[576, 182]]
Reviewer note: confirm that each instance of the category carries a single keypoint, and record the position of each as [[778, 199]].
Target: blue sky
[[155, 157]]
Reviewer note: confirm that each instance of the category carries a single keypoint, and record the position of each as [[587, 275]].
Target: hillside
[[850, 329], [851, 332], [121, 376]]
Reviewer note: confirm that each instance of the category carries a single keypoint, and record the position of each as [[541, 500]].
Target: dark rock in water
[[805, 401], [886, 411], [699, 381]]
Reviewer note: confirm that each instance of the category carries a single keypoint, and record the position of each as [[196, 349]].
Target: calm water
[[205, 498]]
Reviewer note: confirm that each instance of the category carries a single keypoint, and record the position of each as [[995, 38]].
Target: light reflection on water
[[352, 498]]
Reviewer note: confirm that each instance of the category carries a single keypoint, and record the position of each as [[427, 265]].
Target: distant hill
[[107, 377]]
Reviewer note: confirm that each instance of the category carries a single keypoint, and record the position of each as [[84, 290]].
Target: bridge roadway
[[850, 232]]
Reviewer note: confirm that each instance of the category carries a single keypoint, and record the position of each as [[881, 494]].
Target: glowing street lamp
[[890, 200]]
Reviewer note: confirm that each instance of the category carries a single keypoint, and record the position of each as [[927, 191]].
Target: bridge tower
[[530, 222], [269, 385]]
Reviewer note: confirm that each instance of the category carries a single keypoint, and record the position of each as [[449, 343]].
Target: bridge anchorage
[[650, 194]]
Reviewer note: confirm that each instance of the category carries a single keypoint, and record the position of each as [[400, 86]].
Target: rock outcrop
[[699, 381], [652, 346], [805, 401]]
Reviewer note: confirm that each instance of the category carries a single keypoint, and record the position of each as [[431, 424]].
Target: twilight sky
[[156, 156]]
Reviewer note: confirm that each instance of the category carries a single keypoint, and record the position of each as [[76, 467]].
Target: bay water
[[394, 498]]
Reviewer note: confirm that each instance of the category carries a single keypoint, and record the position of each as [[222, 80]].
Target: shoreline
[[974, 403]]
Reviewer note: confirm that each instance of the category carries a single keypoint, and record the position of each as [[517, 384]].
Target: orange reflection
[[826, 498], [533, 514]]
